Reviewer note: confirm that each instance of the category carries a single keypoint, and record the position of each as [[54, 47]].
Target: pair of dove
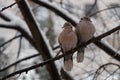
[[69, 39]]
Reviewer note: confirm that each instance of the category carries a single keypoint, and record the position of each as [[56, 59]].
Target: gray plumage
[[68, 41], [85, 31]]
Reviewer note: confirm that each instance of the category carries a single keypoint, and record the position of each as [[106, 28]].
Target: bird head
[[67, 25], [86, 18]]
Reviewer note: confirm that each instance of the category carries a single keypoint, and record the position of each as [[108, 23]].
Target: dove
[[85, 31], [68, 41]]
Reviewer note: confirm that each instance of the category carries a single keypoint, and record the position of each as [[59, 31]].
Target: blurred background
[[105, 15]]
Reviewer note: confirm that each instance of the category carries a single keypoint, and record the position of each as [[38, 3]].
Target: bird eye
[[88, 19], [81, 18]]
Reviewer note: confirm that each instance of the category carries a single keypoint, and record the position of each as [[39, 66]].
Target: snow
[[80, 69], [31, 75]]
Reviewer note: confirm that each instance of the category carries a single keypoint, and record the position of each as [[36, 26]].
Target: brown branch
[[40, 42]]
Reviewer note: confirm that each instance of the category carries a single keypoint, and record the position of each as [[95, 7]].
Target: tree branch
[[100, 44], [4, 17], [95, 39], [55, 10], [22, 31], [103, 66], [90, 10], [10, 40], [4, 8], [13, 64], [40, 42], [104, 10]]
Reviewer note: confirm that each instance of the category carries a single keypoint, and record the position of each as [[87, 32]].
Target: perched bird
[[67, 40], [85, 31]]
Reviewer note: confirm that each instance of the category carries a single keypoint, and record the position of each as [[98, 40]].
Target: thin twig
[[103, 66], [91, 9], [103, 10], [112, 73], [10, 40], [23, 59], [20, 45], [22, 31], [9, 6]]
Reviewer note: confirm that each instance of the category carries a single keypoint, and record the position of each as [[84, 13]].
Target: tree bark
[[38, 38]]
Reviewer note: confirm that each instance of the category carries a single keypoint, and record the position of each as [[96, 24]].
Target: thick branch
[[41, 44]]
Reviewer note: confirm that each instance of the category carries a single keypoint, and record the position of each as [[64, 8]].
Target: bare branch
[[13, 64], [9, 6], [4, 17], [10, 40], [20, 45], [40, 42], [97, 73], [22, 31], [104, 10], [90, 10], [100, 44], [58, 57]]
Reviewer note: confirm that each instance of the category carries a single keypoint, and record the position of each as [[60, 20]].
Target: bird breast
[[68, 40], [87, 30]]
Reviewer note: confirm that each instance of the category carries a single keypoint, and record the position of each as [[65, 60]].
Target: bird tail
[[68, 62], [80, 55]]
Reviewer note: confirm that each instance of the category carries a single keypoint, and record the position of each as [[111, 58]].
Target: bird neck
[[68, 29]]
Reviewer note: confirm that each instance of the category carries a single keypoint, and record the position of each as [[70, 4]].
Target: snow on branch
[[63, 55]]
